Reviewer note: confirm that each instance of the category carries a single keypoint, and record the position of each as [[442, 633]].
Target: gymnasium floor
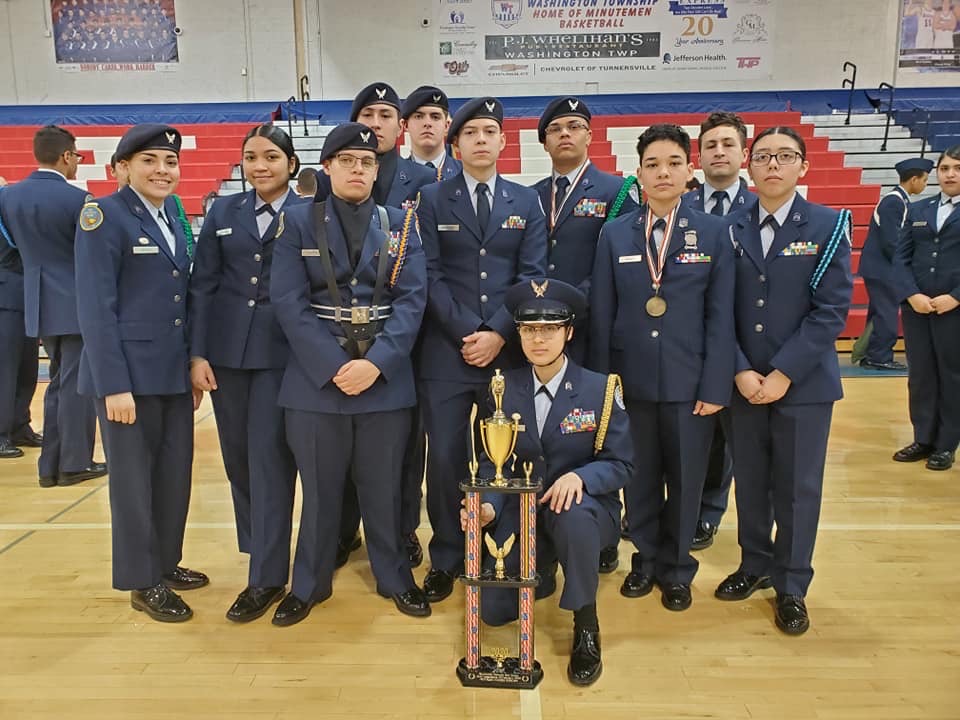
[[883, 644]]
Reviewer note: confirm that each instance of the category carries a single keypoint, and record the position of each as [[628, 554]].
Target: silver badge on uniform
[[568, 386], [690, 240], [683, 222], [796, 217], [143, 241]]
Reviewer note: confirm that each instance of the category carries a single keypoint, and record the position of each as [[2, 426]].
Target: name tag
[[629, 259], [688, 258], [589, 207], [448, 228], [223, 232], [146, 250], [919, 223], [310, 252], [799, 249], [579, 421], [514, 222]]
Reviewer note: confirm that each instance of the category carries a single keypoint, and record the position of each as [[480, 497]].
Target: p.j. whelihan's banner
[[601, 41]]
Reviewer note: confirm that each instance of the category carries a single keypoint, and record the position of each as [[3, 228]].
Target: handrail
[[304, 87], [886, 130], [926, 134], [850, 82]]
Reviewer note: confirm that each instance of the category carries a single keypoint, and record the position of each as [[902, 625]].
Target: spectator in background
[[307, 183]]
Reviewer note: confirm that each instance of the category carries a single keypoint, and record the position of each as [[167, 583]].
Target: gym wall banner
[[537, 41], [929, 36]]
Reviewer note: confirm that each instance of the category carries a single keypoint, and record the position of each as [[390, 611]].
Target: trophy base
[[507, 675]]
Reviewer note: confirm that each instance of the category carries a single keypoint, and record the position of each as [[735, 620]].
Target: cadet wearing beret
[[565, 409], [132, 272], [876, 267], [426, 117], [349, 289], [481, 234]]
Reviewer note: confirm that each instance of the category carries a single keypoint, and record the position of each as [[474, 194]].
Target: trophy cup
[[499, 438]]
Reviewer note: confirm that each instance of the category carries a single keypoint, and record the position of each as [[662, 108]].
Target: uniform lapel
[[747, 233], [951, 218], [247, 215], [148, 222], [336, 240], [564, 401], [372, 241], [640, 230], [679, 230], [502, 205], [173, 214], [528, 410], [694, 199], [400, 187], [575, 195], [463, 208], [741, 198], [790, 232]]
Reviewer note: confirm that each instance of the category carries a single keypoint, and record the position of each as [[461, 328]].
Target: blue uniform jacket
[[567, 441], [688, 353], [468, 274], [232, 322], [41, 213], [745, 201], [572, 244], [11, 273], [298, 281], [928, 261], [451, 167], [132, 302], [408, 179], [781, 324], [876, 258]]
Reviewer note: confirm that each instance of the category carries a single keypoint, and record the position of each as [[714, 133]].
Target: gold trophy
[[498, 433], [499, 554]]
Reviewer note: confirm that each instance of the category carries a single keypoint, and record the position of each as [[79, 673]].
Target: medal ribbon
[[554, 210], [657, 272]]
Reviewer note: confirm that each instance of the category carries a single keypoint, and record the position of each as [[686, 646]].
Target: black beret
[[922, 164], [484, 107], [545, 300], [375, 94], [348, 136], [561, 107], [148, 136], [424, 96]]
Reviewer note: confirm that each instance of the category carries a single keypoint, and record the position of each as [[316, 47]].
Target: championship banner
[[98, 35], [537, 41], [929, 36]]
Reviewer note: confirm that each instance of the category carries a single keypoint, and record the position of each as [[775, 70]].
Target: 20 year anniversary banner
[[601, 41]]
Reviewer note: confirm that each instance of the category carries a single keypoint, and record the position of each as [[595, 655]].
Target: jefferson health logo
[[506, 13]]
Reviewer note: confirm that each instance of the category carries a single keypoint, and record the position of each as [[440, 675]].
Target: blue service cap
[[922, 164], [374, 94], [545, 300], [424, 96], [348, 136], [148, 136], [562, 107], [478, 108]]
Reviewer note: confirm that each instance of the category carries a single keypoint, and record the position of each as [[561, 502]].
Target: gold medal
[[656, 306]]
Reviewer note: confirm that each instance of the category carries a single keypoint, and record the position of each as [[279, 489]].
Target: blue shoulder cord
[[844, 222]]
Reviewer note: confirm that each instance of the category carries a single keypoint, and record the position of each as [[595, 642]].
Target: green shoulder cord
[[628, 182], [185, 224]]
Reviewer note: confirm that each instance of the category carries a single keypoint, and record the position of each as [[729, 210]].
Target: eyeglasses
[[547, 332], [784, 157], [569, 127], [78, 156], [347, 161]]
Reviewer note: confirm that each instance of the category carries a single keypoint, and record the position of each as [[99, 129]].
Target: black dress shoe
[[609, 559], [412, 602], [703, 538], [636, 585], [585, 664], [940, 460], [791, 615], [182, 578], [675, 596], [161, 603], [72, 478], [414, 551], [344, 550], [27, 438], [8, 450], [438, 584], [740, 586], [913, 452], [48, 481], [548, 582], [893, 365], [291, 610], [253, 602]]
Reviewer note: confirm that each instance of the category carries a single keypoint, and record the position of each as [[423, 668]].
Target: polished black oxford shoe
[[48, 481], [414, 550], [438, 584], [636, 585], [703, 537], [675, 596], [585, 663], [253, 602], [412, 602], [72, 478], [181, 578], [940, 460], [741, 585], [27, 438], [291, 610], [913, 452], [344, 550], [8, 450], [161, 603], [791, 615], [892, 365], [609, 559]]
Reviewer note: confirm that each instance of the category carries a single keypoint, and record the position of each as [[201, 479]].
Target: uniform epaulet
[[91, 216], [613, 394]]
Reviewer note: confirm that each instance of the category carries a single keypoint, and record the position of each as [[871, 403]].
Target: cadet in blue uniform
[[349, 288], [481, 234], [927, 277], [18, 362], [723, 151], [238, 354], [564, 408], [876, 267], [793, 290], [132, 274], [661, 315], [40, 213], [426, 117]]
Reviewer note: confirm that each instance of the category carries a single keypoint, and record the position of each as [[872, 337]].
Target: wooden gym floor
[[884, 643]]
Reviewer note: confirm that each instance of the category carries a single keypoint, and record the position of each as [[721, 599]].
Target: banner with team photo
[[929, 36], [537, 41]]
